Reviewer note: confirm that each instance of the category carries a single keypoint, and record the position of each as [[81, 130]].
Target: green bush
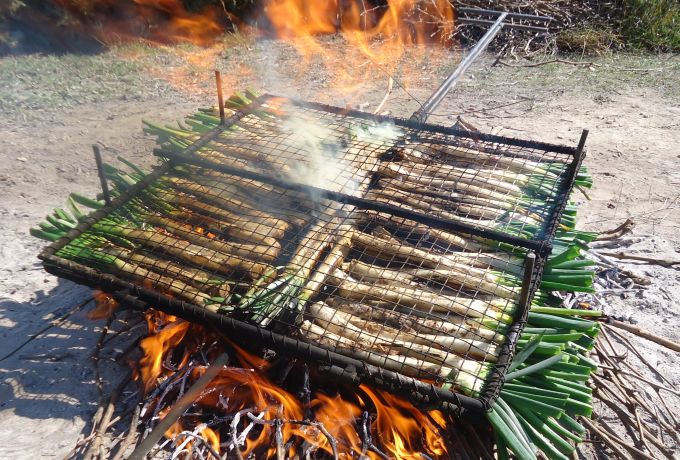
[[653, 24]]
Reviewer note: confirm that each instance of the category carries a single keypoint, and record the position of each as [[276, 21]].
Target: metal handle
[[431, 104]]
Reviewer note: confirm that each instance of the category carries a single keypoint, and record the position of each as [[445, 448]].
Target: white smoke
[[328, 163]]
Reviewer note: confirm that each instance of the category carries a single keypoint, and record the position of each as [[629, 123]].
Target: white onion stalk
[[421, 258], [382, 312], [356, 327], [491, 311], [470, 377]]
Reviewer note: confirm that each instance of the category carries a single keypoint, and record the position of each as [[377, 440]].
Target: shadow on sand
[[47, 374]]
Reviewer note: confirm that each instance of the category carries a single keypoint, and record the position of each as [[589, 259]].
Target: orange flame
[[401, 424], [377, 42], [105, 305], [168, 332], [401, 429], [157, 21]]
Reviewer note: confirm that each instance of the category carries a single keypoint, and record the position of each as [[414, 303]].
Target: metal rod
[[102, 177], [529, 264], [431, 104], [530, 281], [582, 142], [220, 96]]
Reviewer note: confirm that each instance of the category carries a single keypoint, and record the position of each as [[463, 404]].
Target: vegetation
[[652, 24]]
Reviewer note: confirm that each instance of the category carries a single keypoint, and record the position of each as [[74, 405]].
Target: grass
[[587, 40], [32, 82], [652, 24], [139, 72], [613, 73]]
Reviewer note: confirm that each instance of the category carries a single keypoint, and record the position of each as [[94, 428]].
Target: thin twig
[[640, 332], [234, 432], [53, 323], [650, 260], [189, 434], [586, 64], [390, 84], [180, 407], [97, 350], [631, 347], [613, 442], [131, 436], [617, 232], [318, 425], [106, 418]]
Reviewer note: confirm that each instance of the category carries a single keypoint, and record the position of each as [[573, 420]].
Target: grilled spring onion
[[477, 213], [465, 207], [202, 279], [235, 219], [282, 295], [446, 277], [417, 257], [468, 376], [257, 252], [351, 326], [491, 313], [188, 251], [137, 268], [388, 315], [425, 153]]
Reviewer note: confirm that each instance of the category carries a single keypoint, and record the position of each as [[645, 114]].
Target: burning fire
[[255, 411], [105, 305], [373, 39], [377, 37], [157, 21]]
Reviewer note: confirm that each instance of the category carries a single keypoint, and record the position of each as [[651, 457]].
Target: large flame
[[372, 39], [157, 21], [398, 428], [377, 37]]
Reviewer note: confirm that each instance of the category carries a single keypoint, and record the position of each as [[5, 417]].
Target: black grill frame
[[341, 365]]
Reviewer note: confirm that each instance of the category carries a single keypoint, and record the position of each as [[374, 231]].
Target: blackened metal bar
[[529, 264], [362, 203], [582, 142], [415, 125], [102, 176], [484, 12], [431, 104], [220, 96], [508, 25], [532, 276], [564, 189]]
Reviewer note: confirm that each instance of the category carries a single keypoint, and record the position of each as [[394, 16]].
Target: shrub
[[653, 24]]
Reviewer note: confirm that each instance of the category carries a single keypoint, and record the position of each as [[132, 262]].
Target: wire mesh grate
[[235, 226]]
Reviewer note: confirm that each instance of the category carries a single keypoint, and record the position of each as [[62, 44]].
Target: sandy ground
[[54, 109]]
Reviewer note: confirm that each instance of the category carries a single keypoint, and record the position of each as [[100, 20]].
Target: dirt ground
[[55, 108]]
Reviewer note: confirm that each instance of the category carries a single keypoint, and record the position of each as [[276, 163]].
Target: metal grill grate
[[362, 241]]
